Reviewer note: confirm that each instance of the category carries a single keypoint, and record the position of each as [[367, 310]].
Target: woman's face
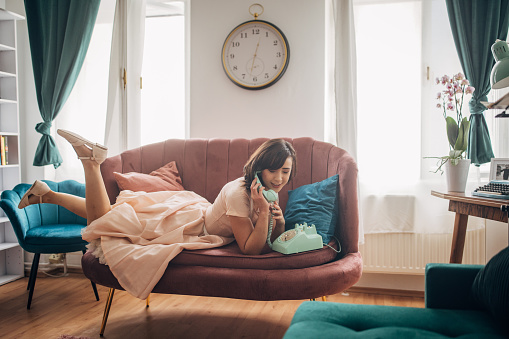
[[276, 179]]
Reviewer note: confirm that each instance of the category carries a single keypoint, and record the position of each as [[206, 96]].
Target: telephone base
[[302, 238]]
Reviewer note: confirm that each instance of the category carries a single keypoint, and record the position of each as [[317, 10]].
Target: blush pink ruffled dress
[[144, 231]]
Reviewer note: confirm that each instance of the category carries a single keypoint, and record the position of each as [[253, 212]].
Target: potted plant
[[451, 100]]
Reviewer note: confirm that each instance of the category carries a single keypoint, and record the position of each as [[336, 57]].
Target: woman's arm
[[251, 238]]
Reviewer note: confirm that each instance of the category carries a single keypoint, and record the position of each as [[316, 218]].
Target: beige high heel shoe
[[39, 188], [99, 152]]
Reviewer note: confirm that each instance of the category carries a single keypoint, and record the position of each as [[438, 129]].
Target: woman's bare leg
[[91, 155], [95, 205], [73, 203], [97, 202]]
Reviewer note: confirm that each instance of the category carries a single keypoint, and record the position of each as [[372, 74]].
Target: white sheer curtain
[[386, 114], [124, 98], [345, 77], [341, 125]]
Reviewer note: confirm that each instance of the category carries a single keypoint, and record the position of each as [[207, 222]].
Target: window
[[85, 109], [164, 84], [163, 92], [388, 42], [402, 46]]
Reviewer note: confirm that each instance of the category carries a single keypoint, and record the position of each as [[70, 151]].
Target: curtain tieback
[[475, 105], [43, 128]]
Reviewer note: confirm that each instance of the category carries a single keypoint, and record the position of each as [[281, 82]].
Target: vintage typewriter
[[497, 189]]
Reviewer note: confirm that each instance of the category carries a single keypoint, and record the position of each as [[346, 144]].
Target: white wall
[[293, 107]]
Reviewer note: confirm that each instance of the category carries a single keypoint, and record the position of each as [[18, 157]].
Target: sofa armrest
[[448, 285]]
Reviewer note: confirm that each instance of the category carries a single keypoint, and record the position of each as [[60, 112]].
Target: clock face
[[255, 55]]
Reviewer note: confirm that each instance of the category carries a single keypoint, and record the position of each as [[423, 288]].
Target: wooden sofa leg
[[107, 310], [324, 298], [148, 300]]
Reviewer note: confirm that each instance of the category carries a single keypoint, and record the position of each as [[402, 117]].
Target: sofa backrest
[[206, 165]]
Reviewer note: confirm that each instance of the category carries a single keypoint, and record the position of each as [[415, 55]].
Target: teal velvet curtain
[[59, 33], [476, 24]]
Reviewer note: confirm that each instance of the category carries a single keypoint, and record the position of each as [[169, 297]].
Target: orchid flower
[[451, 99]]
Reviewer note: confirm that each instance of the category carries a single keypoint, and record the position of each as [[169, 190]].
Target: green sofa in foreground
[[461, 301]]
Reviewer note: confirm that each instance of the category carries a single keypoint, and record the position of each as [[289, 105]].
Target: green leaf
[[462, 141], [455, 154], [452, 130]]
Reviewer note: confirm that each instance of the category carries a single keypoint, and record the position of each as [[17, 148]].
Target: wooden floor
[[67, 306]]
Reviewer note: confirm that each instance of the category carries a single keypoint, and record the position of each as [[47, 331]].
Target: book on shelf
[[4, 150]]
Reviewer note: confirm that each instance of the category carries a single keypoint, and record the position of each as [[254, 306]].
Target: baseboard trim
[[55, 271]]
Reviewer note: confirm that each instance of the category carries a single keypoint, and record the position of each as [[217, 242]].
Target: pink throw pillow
[[166, 178]]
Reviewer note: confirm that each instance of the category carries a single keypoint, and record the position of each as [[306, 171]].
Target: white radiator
[[409, 253]]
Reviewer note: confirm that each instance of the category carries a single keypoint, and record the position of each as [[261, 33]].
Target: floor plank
[[67, 306]]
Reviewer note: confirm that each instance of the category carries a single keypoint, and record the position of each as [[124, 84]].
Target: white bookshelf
[[11, 254]]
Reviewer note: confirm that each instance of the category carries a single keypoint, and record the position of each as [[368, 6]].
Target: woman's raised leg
[[97, 202]]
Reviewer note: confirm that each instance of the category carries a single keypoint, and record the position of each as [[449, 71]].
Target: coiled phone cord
[[332, 248], [271, 224]]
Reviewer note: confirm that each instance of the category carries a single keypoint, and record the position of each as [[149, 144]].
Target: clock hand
[[254, 56]]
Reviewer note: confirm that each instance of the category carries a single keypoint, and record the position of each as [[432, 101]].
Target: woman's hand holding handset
[[277, 214], [259, 201]]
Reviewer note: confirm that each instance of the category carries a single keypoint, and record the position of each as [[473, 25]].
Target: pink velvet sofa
[[205, 165]]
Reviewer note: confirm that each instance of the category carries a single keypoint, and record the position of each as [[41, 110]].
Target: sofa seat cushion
[[230, 256], [56, 234], [334, 320], [310, 329]]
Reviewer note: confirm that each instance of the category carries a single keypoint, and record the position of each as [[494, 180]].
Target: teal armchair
[[450, 312], [45, 228]]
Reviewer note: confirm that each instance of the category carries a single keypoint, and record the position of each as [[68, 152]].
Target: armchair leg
[[93, 285], [95, 290], [33, 276], [107, 310]]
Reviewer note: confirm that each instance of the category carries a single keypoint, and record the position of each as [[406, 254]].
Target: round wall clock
[[255, 54]]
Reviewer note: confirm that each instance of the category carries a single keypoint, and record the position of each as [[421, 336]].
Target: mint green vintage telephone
[[302, 238]]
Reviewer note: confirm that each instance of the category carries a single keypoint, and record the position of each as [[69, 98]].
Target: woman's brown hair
[[271, 155]]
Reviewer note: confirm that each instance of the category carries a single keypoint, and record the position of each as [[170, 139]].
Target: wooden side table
[[464, 204]]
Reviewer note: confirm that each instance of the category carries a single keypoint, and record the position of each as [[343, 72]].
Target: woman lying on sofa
[[142, 232]]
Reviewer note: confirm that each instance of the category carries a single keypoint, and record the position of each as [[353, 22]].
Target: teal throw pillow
[[490, 289], [314, 204]]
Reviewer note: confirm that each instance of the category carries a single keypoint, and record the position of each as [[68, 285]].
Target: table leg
[[458, 238]]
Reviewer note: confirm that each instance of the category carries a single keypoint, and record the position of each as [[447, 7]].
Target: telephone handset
[[269, 195]]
